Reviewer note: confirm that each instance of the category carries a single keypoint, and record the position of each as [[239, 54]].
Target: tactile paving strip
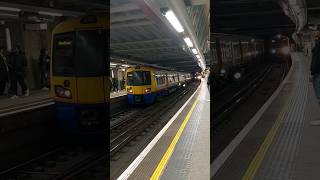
[[280, 161]]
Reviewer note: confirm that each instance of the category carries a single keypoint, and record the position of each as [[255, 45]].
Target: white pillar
[[8, 39]]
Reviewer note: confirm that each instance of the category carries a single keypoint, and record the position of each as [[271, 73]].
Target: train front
[[140, 86], [78, 75]]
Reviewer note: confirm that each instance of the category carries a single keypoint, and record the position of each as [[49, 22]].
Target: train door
[[91, 73]]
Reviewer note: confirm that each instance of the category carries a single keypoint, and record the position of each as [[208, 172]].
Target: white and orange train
[[144, 83]]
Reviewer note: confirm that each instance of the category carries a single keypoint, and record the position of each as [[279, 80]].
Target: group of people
[[13, 69], [115, 84]]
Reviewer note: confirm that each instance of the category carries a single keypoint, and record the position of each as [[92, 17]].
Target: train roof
[[150, 68]]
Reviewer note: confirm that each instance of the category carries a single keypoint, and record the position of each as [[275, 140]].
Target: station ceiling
[[250, 17], [137, 33], [69, 5]]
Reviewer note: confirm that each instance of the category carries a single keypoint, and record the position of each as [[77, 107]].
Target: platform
[[282, 140], [115, 94], [181, 149], [37, 98]]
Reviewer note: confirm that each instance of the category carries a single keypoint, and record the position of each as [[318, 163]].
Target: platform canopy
[[261, 18], [142, 30]]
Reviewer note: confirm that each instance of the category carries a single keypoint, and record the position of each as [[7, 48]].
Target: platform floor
[[281, 141], [36, 97], [115, 94], [181, 150]]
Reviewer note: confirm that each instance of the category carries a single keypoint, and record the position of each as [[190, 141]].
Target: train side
[[144, 84]]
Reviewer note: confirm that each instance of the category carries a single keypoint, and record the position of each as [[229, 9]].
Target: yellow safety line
[[158, 171], [257, 160]]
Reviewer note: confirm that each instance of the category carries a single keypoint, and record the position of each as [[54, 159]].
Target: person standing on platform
[[17, 69], [115, 84], [4, 70], [315, 68], [43, 67]]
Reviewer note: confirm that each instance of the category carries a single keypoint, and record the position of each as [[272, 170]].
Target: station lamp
[[10, 9], [187, 40], [50, 13], [194, 51], [172, 18], [198, 56]]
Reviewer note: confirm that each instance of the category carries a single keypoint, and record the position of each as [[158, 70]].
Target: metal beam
[[123, 7], [140, 42], [126, 17], [146, 49], [250, 13], [131, 24], [37, 9]]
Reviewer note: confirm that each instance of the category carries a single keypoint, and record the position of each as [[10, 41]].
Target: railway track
[[57, 164], [89, 162], [143, 121]]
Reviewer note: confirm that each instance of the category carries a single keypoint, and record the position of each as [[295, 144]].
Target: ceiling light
[[50, 13], [188, 42], [174, 21], [198, 56], [194, 51], [9, 9]]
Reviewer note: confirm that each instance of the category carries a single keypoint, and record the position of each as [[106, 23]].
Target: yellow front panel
[[91, 90], [59, 81]]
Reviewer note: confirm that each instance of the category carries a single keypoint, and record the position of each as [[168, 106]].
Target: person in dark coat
[[115, 84], [44, 68], [315, 68], [4, 70], [17, 70]]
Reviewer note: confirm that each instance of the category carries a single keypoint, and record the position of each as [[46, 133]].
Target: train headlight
[[147, 90], [130, 90], [62, 92]]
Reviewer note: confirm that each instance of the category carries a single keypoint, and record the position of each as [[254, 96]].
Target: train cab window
[[138, 78], [63, 55], [91, 53]]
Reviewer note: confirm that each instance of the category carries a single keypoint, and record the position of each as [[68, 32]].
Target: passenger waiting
[[4, 70], [17, 71], [115, 84], [44, 68]]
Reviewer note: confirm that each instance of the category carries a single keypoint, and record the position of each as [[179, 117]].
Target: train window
[[91, 52], [138, 78], [63, 61]]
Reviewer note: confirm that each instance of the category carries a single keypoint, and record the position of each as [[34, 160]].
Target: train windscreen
[[90, 54], [80, 54], [138, 78], [63, 55]]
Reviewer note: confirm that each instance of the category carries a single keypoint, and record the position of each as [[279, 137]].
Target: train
[[144, 83], [79, 74], [233, 56]]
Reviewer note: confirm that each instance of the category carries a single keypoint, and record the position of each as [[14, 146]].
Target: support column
[[8, 39], [241, 52], [219, 55]]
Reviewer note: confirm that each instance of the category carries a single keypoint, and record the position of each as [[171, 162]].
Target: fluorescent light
[[112, 64], [174, 21], [188, 42], [9, 9], [12, 15], [194, 51], [198, 56], [50, 13]]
